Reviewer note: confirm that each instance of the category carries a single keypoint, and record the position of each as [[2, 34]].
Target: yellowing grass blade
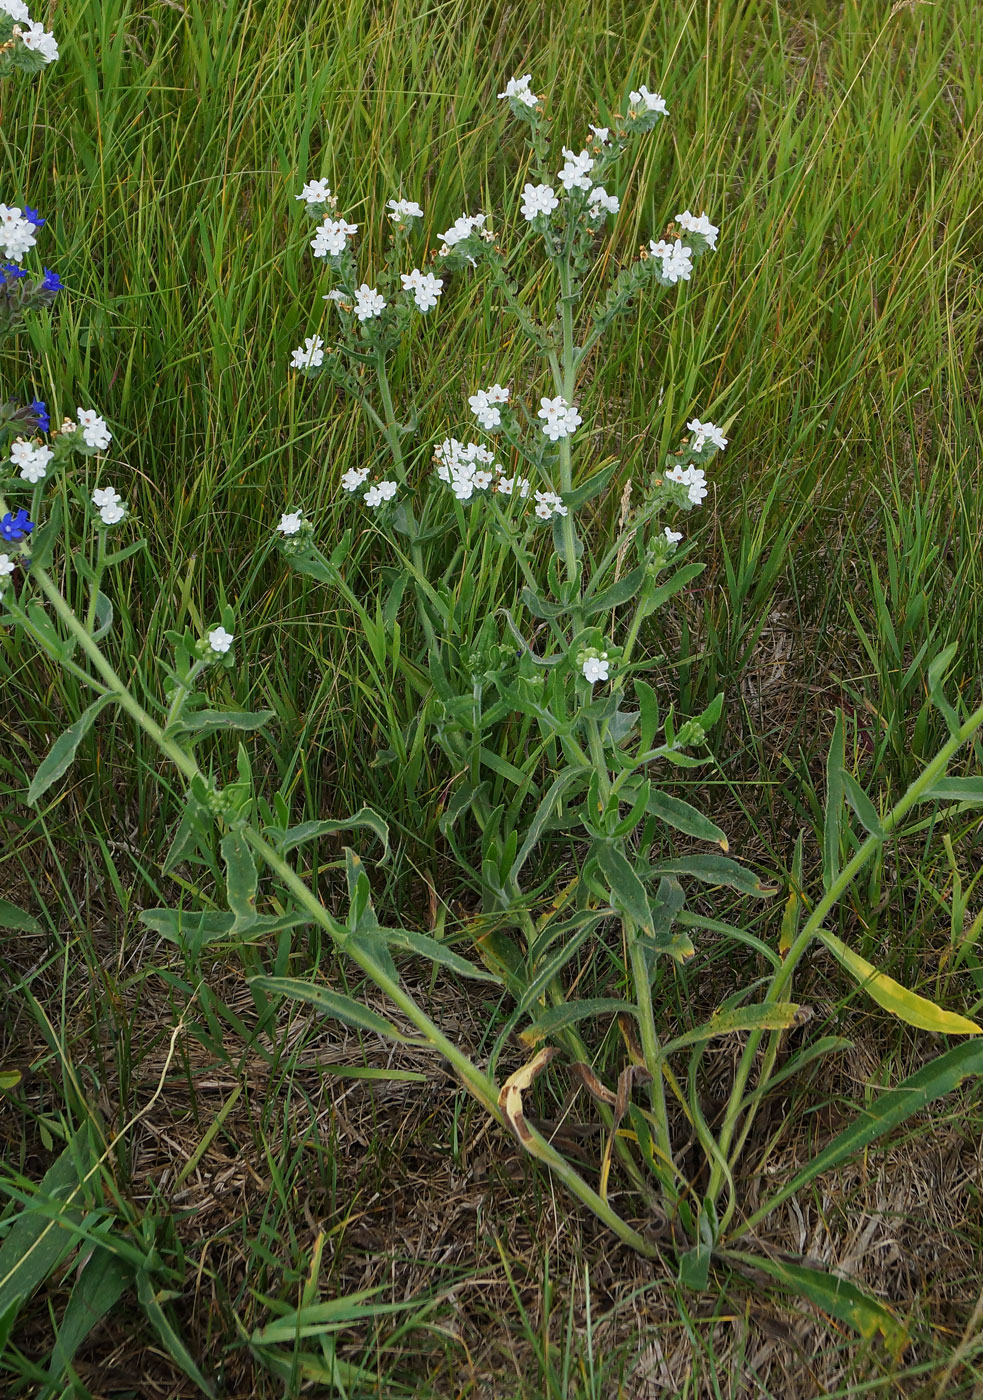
[[907, 1006]]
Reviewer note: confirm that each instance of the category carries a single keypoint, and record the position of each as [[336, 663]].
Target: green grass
[[836, 331]]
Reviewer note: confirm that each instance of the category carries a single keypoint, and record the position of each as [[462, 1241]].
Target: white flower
[[538, 199], [32, 460], [290, 522], [380, 492], [560, 419], [519, 89], [600, 202], [517, 485], [601, 133], [402, 209], [484, 406], [677, 264], [706, 432], [6, 563], [332, 237], [461, 229], [548, 503], [112, 512], [16, 9], [105, 496], [575, 172], [482, 480], [694, 478], [16, 232], [368, 302], [673, 536], [94, 430], [309, 355], [595, 668], [651, 101], [353, 479], [315, 192], [691, 224], [40, 41], [219, 640], [337, 296], [465, 467], [426, 288]]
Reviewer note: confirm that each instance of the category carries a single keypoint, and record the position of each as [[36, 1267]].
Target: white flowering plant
[[562, 659]]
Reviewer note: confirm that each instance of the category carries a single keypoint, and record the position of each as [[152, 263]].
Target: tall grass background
[[835, 332]]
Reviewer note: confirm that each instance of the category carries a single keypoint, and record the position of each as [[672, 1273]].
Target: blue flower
[[52, 282], [11, 271], [14, 526], [33, 217], [39, 410]]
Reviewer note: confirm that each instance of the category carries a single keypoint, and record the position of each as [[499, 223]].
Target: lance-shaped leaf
[[333, 1004], [17, 920], [833, 1295], [770, 1016], [715, 870], [627, 891], [312, 831], [682, 817], [907, 1006], [241, 880], [570, 1013], [63, 750], [426, 947], [201, 722]]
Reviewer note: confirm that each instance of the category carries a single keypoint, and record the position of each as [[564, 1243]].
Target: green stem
[[653, 1056], [90, 616]]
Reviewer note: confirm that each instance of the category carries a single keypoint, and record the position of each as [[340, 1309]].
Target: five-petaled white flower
[[290, 522], [600, 203], [538, 199], [706, 432], [673, 536], [595, 668], [693, 478], [575, 174], [94, 430], [426, 288], [31, 458], [105, 496], [402, 209], [518, 88], [353, 479], [368, 302], [40, 40], [112, 512], [677, 262], [650, 101], [560, 419], [6, 567], [309, 355], [601, 133], [548, 504], [461, 229], [379, 492], [484, 405], [691, 223], [219, 640], [332, 237], [16, 232], [315, 192]]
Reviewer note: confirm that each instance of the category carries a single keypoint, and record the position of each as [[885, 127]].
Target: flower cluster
[[17, 229], [402, 209], [31, 459], [575, 174], [310, 355], [518, 91], [109, 504], [24, 43], [426, 288], [332, 237], [560, 419], [677, 259], [484, 405], [379, 493]]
